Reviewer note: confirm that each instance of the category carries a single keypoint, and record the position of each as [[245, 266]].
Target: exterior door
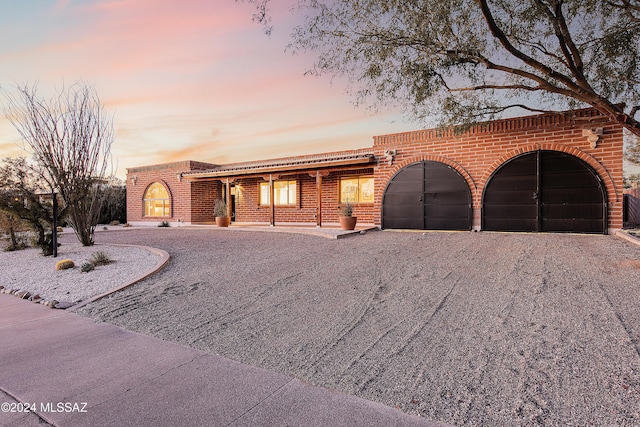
[[427, 196], [545, 191]]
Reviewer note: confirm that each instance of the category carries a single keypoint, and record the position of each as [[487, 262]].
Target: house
[[547, 172]]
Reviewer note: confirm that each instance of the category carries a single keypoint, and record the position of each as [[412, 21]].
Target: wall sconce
[[593, 136], [134, 179], [179, 176], [389, 155]]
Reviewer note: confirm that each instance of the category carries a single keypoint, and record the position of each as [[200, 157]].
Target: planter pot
[[223, 221], [348, 222]]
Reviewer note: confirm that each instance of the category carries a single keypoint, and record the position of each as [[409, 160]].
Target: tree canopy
[[23, 195], [463, 61]]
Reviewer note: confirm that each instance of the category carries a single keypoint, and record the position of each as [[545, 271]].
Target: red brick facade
[[476, 154], [190, 202]]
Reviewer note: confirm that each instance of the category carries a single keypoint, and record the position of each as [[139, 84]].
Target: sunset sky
[[185, 80]]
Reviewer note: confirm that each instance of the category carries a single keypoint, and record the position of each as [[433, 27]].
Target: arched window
[[157, 201]]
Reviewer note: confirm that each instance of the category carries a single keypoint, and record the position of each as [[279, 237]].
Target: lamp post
[[54, 229]]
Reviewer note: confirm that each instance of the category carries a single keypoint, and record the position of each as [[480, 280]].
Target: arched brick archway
[[545, 190], [612, 191], [427, 195], [430, 158]]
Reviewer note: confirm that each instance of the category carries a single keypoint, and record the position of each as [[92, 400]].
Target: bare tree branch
[[70, 135]]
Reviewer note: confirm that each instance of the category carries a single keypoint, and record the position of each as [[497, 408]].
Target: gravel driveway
[[464, 328]]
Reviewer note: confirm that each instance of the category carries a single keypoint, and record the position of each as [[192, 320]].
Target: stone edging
[[164, 259], [26, 295]]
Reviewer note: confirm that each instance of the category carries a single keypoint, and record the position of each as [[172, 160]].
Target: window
[[284, 193], [157, 201], [358, 189]]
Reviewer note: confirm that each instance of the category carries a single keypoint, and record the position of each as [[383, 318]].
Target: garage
[[427, 195], [545, 191]]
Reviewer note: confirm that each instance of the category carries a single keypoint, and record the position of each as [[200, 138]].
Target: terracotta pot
[[348, 222], [223, 221]]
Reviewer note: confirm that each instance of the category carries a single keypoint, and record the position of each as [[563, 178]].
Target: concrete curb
[[164, 259], [624, 235]]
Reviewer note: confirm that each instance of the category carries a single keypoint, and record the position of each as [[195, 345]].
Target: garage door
[[545, 191], [427, 196]]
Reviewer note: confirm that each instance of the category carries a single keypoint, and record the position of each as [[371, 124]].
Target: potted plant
[[347, 220], [221, 213]]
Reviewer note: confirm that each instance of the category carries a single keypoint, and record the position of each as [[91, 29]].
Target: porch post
[[272, 203], [319, 197], [227, 190]]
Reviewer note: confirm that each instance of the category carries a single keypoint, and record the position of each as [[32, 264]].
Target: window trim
[[359, 190], [166, 202], [268, 203]]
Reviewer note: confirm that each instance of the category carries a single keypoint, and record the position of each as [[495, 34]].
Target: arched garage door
[[545, 191], [427, 196]]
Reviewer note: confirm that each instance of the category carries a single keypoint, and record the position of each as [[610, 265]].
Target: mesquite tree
[[463, 61], [24, 195], [70, 136]]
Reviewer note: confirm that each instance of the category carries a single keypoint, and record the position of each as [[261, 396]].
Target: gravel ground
[[29, 270], [464, 328]]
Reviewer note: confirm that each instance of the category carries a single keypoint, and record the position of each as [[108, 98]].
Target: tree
[[631, 180], [70, 136], [114, 207], [24, 195], [463, 61], [632, 152], [11, 226]]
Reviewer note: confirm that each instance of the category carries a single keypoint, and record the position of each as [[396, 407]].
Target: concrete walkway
[[72, 371], [330, 232]]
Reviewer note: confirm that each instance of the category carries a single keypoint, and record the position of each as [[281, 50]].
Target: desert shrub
[[64, 264], [45, 244], [87, 267], [164, 224], [100, 258], [14, 231]]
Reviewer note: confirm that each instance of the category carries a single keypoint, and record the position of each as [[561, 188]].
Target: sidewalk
[[75, 372]]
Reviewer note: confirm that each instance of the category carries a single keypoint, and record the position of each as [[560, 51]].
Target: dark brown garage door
[[545, 191], [427, 196]]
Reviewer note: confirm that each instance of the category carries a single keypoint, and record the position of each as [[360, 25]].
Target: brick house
[[548, 172]]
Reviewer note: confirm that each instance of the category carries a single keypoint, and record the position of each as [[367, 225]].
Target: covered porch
[[290, 192]]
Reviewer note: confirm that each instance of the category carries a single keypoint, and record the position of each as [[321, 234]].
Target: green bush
[[87, 267], [100, 258]]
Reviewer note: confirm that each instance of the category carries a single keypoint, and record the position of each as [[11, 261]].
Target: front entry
[[427, 196], [545, 191]]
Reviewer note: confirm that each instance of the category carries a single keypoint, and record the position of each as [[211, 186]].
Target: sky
[[184, 80]]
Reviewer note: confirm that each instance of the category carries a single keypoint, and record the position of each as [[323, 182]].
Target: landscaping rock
[[63, 305]]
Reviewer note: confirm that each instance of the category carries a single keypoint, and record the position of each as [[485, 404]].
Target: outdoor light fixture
[[389, 155], [134, 178], [593, 136]]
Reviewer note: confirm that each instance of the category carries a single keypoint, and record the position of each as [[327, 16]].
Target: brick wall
[[248, 208], [477, 153], [169, 174]]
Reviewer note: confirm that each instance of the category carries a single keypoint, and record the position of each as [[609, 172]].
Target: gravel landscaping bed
[[28, 270], [464, 328]]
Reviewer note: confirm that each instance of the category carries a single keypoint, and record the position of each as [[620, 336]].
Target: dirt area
[[465, 328]]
